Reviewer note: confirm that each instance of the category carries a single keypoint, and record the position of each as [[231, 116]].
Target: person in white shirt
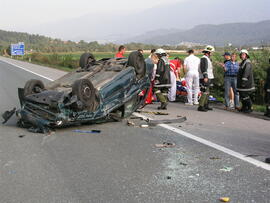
[[191, 68]]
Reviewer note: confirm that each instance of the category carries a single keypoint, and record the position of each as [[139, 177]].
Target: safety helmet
[[160, 51], [244, 51], [209, 48]]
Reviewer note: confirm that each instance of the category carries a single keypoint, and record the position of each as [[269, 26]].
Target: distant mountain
[[183, 15], [220, 35]]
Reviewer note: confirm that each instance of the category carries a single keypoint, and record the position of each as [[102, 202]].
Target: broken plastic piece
[[167, 121], [86, 131], [154, 112], [7, 115], [224, 199], [129, 123], [165, 145], [215, 158], [267, 160], [226, 169]]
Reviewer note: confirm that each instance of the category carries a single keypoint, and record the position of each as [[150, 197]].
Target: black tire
[[33, 87], [85, 92], [85, 59], [136, 60]]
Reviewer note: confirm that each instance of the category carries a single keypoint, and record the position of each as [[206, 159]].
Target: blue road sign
[[17, 49]]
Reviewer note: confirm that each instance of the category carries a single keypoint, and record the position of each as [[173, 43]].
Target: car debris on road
[[165, 145]]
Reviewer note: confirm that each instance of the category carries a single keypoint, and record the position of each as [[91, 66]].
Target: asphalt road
[[122, 164]]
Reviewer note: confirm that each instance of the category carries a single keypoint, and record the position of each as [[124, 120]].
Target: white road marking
[[212, 145], [188, 135], [27, 70]]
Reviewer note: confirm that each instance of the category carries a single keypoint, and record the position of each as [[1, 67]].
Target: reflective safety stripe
[[245, 98], [245, 90], [158, 91], [163, 85], [165, 94]]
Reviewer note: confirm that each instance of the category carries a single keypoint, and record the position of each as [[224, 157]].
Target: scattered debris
[[129, 123], [165, 145], [144, 126], [214, 158], [226, 169], [43, 130], [169, 177], [167, 121], [183, 164], [267, 160], [253, 155], [154, 112], [21, 136], [224, 199], [7, 115], [136, 117], [86, 131]]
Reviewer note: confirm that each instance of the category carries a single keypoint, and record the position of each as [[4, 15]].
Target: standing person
[[227, 57], [245, 82], [206, 75], [191, 68], [175, 66], [121, 52], [267, 92], [151, 67], [162, 78], [231, 68]]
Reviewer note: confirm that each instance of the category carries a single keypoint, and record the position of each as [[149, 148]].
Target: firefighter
[[267, 92], [245, 82], [162, 80], [206, 76]]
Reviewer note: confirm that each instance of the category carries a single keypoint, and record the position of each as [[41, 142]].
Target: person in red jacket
[[175, 66], [121, 52]]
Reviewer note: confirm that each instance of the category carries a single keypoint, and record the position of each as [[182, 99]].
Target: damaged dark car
[[98, 91]]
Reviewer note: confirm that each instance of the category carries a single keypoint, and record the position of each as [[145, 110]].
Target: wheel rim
[[86, 91]]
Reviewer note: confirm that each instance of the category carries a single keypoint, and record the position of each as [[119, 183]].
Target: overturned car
[[98, 91]]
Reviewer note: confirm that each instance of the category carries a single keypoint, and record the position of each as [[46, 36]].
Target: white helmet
[[160, 51], [209, 48], [244, 51]]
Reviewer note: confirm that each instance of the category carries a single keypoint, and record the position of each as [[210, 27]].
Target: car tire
[[85, 59], [85, 92], [33, 87], [136, 60]]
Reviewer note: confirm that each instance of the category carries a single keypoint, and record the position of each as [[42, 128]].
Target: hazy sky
[[15, 14]]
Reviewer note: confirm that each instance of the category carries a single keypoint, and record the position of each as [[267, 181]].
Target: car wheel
[[33, 87], [85, 92], [136, 60], [85, 59]]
